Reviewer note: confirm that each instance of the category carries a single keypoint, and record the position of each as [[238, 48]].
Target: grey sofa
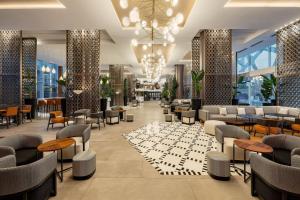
[[33, 181], [274, 181], [180, 103], [25, 147], [81, 133], [225, 135], [211, 112]]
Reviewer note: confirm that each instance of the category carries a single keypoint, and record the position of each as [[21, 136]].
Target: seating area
[[150, 100]]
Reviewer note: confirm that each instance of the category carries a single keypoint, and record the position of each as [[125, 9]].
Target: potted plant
[[235, 100], [105, 92], [30, 89], [165, 94], [197, 77], [173, 89], [269, 88], [125, 91]]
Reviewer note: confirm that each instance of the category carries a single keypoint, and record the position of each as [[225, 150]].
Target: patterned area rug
[[174, 148]]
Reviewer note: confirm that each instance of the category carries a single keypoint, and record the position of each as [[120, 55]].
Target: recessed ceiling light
[[263, 3], [30, 4]]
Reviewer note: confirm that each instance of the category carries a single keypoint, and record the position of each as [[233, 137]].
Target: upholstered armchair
[[188, 117], [95, 118], [24, 146], [81, 133], [33, 181], [225, 135], [284, 148], [112, 117], [274, 181], [56, 117], [11, 113]]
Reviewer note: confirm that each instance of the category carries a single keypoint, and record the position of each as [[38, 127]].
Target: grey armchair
[[274, 181], [81, 133], [25, 147], [188, 117], [34, 181], [284, 146], [112, 116], [226, 134], [95, 118]]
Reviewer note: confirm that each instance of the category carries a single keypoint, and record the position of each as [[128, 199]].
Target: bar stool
[[26, 109], [42, 106]]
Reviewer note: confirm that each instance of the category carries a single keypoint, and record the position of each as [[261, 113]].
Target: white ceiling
[[99, 14]]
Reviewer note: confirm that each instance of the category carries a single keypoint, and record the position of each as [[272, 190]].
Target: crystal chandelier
[[154, 22]]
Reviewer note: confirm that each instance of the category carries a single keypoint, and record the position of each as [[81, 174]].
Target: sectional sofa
[[214, 112]]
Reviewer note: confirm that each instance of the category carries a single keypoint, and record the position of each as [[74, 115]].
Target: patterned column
[[179, 70], [10, 61], [215, 58], [195, 55], [116, 74], [288, 65], [83, 70], [29, 68]]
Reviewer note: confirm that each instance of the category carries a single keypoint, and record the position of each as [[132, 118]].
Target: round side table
[[250, 145], [55, 145]]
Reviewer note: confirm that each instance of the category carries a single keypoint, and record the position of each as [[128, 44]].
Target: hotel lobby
[[150, 99]]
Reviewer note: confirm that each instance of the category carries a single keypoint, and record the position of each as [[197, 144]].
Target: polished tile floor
[[122, 173]]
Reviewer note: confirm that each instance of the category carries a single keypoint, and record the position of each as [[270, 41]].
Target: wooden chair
[[11, 113], [56, 117], [26, 110]]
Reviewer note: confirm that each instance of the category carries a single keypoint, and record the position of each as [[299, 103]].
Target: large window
[[251, 64], [47, 74]]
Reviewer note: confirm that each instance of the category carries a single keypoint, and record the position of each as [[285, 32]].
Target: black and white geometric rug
[[174, 148]]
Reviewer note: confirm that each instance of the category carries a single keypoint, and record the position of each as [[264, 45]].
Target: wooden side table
[[55, 145], [249, 145]]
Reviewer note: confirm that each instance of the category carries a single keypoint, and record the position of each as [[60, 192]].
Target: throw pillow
[[241, 111], [259, 111], [283, 111], [223, 111]]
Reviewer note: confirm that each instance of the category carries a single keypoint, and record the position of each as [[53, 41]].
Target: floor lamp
[[77, 92]]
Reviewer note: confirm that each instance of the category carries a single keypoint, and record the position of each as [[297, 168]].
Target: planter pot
[[267, 104], [33, 103], [125, 101], [274, 102], [196, 105], [64, 106], [235, 102], [103, 106]]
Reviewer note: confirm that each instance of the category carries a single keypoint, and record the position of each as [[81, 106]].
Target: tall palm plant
[[269, 87], [197, 77]]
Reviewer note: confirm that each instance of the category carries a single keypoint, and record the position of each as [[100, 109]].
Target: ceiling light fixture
[[124, 4]]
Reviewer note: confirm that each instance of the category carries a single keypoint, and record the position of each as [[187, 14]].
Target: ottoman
[[129, 117], [168, 118], [84, 165], [218, 165], [166, 111], [210, 125]]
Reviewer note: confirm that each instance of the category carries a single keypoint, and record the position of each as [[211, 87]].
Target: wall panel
[[288, 65], [83, 69], [10, 48]]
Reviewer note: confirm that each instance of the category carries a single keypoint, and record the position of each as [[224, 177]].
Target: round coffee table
[[55, 145], [250, 145]]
